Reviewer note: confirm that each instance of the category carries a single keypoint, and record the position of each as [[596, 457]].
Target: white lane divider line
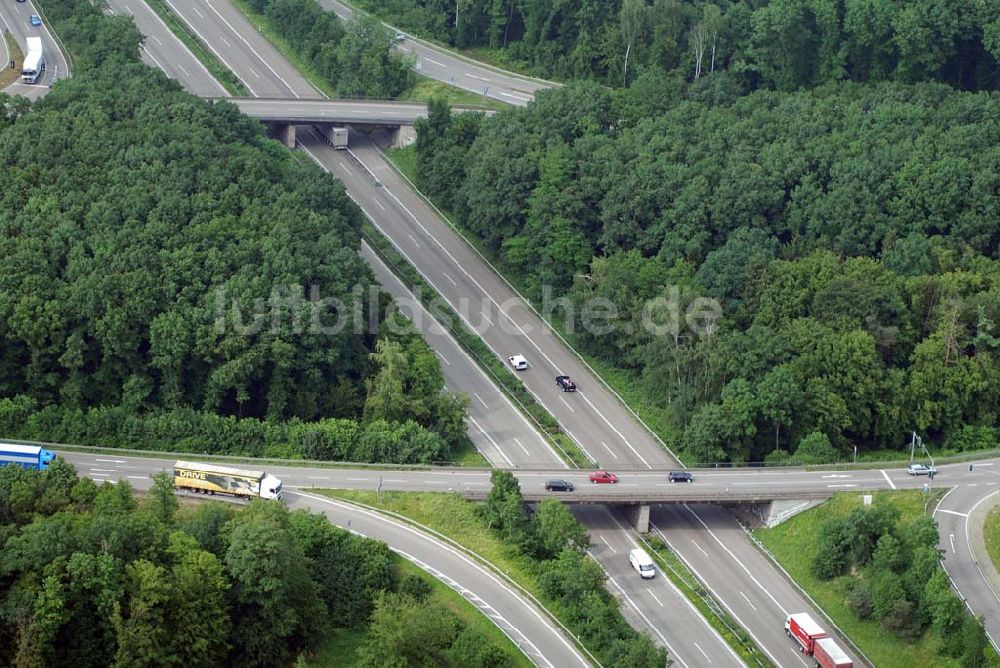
[[253, 71], [493, 443], [476, 76], [518, 441], [357, 480], [748, 601], [609, 449], [449, 278], [951, 539], [572, 410], [436, 62], [485, 405], [414, 240], [103, 470], [378, 203], [655, 597], [441, 355], [703, 652], [613, 550], [952, 512], [888, 479], [700, 548]]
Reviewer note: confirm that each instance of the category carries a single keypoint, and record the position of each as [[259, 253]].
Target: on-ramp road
[[518, 617], [960, 515]]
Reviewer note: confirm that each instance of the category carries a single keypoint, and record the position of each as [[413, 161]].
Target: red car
[[603, 476]]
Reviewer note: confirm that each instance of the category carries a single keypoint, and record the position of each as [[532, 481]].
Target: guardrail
[[672, 495]]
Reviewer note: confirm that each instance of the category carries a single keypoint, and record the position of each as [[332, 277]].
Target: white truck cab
[[642, 563]]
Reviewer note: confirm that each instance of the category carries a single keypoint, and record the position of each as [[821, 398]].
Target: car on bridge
[[559, 486], [920, 469], [566, 383], [603, 476], [680, 476], [518, 362]]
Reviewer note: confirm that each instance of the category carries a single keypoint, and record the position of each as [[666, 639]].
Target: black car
[[559, 486], [680, 476], [565, 383]]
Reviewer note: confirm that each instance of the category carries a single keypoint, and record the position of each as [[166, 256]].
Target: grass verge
[[476, 348], [341, 646], [992, 534], [424, 89], [734, 634], [793, 544], [10, 75], [222, 74]]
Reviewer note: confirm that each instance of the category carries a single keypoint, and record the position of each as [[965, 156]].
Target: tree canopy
[[166, 264], [784, 44], [848, 234]]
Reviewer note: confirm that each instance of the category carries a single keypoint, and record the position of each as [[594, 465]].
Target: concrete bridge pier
[[638, 515], [286, 133], [403, 136], [283, 132]]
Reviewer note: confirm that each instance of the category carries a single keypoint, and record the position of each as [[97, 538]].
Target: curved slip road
[[443, 65], [960, 515], [518, 617]]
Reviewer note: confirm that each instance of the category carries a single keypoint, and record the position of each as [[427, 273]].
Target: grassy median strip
[[992, 535], [341, 646], [222, 74], [10, 74], [476, 348], [735, 635]]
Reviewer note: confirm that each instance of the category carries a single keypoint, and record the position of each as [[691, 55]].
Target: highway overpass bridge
[[282, 114], [765, 492]]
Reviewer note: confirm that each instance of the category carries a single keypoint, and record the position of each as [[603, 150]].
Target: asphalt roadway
[[443, 65], [16, 18], [960, 515]]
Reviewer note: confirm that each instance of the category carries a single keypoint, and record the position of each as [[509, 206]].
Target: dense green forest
[[849, 233], [163, 257], [93, 576], [784, 44]]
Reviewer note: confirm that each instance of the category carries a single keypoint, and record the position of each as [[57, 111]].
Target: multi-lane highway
[[16, 17], [707, 538], [437, 63]]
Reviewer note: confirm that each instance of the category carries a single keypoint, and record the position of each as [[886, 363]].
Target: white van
[[640, 561]]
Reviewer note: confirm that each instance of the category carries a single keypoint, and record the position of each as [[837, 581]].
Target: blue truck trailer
[[28, 456]]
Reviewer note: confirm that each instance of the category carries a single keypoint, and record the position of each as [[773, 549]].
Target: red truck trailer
[[829, 655], [805, 630]]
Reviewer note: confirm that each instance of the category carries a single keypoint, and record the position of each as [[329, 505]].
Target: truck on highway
[[27, 456], [338, 138], [212, 479], [34, 62], [805, 630], [829, 655]]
